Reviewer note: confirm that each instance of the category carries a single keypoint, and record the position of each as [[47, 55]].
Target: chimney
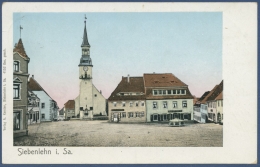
[[32, 76], [128, 78]]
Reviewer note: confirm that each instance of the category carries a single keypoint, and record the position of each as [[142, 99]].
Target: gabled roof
[[70, 104], [135, 84], [20, 49], [220, 96], [33, 85], [162, 80], [209, 94], [204, 95], [216, 92]]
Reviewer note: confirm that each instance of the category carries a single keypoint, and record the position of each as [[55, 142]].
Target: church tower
[[90, 102], [85, 78]]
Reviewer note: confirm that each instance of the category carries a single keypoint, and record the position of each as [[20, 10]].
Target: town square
[[149, 109]]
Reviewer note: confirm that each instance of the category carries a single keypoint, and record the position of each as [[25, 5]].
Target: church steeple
[[85, 47], [85, 36]]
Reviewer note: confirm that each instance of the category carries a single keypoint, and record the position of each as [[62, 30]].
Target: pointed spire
[[20, 49], [85, 36]]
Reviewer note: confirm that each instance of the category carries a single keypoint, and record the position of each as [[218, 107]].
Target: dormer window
[[16, 66]]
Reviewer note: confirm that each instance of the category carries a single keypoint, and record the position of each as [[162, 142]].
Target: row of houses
[[152, 97], [31, 103], [209, 107]]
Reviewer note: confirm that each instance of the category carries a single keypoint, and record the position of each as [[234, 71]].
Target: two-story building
[[48, 106], [20, 79], [167, 97], [127, 101], [34, 110], [212, 104], [219, 100]]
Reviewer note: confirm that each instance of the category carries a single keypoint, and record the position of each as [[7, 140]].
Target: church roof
[[70, 104], [162, 80], [19, 48], [85, 37]]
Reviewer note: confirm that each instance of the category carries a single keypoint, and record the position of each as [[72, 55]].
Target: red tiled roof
[[204, 95], [209, 94], [20, 49], [216, 92], [220, 96], [70, 104], [162, 80], [135, 84]]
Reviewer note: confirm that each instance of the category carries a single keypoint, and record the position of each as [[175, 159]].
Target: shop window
[[17, 120], [164, 117], [123, 114], [165, 104], [155, 105], [155, 117], [174, 104], [16, 91], [142, 114], [184, 104], [130, 114]]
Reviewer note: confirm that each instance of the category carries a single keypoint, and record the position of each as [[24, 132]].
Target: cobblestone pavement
[[105, 134]]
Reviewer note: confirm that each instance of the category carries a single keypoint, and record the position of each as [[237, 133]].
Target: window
[[169, 92], [142, 114], [123, 104], [160, 92], [165, 104], [155, 117], [184, 104], [43, 105], [174, 92], [130, 114], [131, 104], [137, 114], [222, 103], [218, 103], [16, 120], [142, 103], [136, 104], [16, 66], [90, 108], [164, 92], [43, 116], [154, 105], [174, 104], [95, 95], [16, 91], [114, 104], [183, 91], [123, 114], [81, 108], [178, 91]]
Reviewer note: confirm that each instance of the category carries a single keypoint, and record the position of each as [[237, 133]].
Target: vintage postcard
[[135, 83]]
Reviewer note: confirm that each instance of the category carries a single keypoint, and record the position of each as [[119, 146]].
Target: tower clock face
[[85, 68]]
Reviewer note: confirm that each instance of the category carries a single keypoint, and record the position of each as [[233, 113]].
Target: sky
[[187, 44]]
